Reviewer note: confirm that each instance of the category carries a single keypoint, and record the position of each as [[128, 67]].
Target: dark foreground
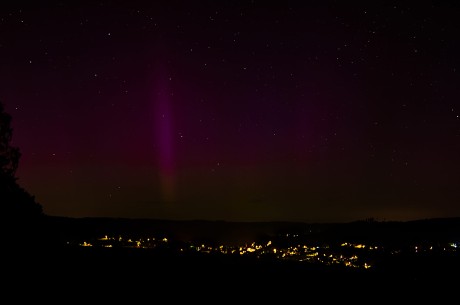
[[146, 273], [46, 268]]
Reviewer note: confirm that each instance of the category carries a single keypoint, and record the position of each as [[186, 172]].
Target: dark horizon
[[248, 111], [368, 220]]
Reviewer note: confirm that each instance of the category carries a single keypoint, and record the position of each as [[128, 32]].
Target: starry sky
[[316, 111]]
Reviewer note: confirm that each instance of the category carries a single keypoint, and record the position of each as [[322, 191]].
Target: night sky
[[316, 111]]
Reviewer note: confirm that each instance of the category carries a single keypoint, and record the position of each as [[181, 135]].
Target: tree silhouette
[[15, 202], [9, 156]]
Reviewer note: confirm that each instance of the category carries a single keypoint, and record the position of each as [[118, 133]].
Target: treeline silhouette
[[22, 217]]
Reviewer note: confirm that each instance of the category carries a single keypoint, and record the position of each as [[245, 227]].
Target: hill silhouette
[[175, 266]]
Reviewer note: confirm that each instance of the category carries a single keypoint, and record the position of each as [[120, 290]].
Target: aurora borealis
[[235, 110]]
